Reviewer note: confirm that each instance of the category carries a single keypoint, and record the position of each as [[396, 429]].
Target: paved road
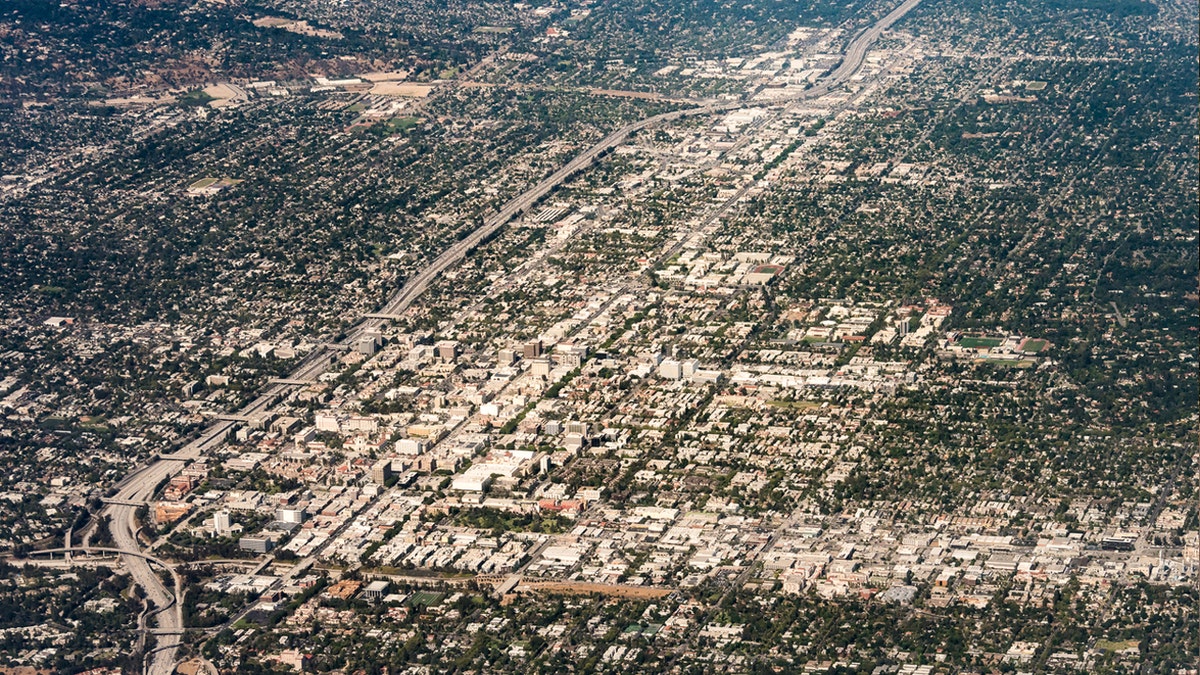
[[140, 485], [168, 610], [403, 298], [123, 527]]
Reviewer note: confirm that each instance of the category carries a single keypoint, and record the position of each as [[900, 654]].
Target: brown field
[[581, 588], [409, 89]]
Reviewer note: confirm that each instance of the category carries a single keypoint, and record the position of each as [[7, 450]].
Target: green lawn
[[1115, 646], [396, 125], [1034, 346], [425, 598], [976, 342], [195, 98], [402, 123], [203, 183]]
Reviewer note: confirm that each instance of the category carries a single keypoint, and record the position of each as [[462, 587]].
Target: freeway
[[140, 485], [124, 527], [856, 52], [168, 608], [857, 49]]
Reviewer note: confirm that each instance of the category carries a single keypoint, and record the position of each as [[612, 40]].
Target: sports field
[[977, 342]]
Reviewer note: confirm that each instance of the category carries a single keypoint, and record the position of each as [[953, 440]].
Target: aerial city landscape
[[690, 336]]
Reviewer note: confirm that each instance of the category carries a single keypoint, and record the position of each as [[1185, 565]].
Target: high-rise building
[[571, 355], [368, 344], [382, 471], [670, 369], [532, 349], [222, 523], [289, 515], [447, 350]]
